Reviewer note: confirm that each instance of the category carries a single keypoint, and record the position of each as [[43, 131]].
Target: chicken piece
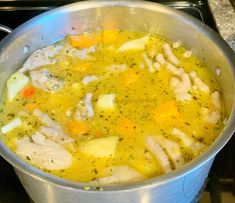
[[177, 44], [174, 70], [170, 55], [149, 63], [172, 149], [43, 153], [160, 59], [82, 53], [45, 119], [157, 66], [159, 153], [52, 130], [215, 97], [41, 57], [84, 108], [188, 141], [86, 80], [56, 135], [120, 174], [198, 83], [187, 54], [212, 117], [44, 80], [181, 87]]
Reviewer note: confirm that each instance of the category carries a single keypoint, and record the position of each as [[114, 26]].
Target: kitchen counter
[[224, 16]]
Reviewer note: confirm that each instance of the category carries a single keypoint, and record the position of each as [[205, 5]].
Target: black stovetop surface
[[15, 12]]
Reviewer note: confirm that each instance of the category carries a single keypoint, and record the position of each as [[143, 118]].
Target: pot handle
[[5, 29]]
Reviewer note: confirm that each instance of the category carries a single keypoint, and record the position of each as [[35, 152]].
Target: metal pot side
[[181, 185]]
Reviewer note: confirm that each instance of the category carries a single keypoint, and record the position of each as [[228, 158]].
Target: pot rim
[[222, 139]]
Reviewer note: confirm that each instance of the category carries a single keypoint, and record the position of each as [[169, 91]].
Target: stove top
[[15, 12], [220, 185]]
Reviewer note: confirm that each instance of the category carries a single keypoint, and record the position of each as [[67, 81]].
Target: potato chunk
[[101, 147], [136, 44], [15, 84], [105, 102], [11, 125]]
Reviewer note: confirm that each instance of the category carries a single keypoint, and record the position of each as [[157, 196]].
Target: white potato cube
[[105, 102], [100, 147], [136, 44], [12, 125], [16, 83]]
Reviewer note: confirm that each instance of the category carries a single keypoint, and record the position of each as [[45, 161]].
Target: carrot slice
[[83, 41], [167, 110], [28, 92], [78, 127]]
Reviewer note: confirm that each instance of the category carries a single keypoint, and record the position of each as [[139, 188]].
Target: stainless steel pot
[[181, 185]]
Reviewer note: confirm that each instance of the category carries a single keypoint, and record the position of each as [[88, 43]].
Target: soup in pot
[[111, 106]]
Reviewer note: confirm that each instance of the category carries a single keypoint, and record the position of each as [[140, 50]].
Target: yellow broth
[[144, 105]]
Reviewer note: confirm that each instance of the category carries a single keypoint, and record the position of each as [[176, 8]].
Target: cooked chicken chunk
[[44, 80], [120, 174], [84, 108], [159, 153], [43, 153], [41, 57]]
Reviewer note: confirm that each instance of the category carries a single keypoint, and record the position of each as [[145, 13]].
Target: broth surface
[[119, 108]]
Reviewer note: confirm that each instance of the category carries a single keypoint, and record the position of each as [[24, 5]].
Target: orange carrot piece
[[165, 111], [28, 92], [78, 127], [83, 41]]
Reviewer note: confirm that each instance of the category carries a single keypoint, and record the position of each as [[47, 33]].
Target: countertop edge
[[224, 16]]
